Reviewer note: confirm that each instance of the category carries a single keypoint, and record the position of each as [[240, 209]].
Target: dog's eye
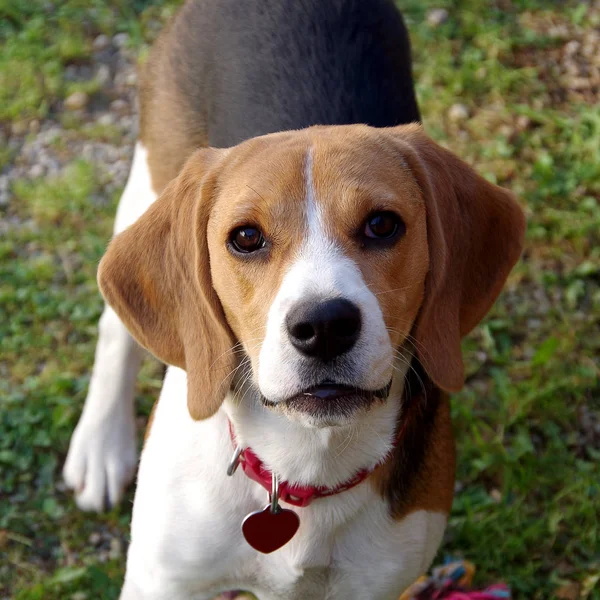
[[246, 239], [384, 225]]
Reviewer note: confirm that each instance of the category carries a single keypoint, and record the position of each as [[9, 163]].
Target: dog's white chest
[[186, 529]]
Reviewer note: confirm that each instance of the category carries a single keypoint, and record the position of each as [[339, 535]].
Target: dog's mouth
[[331, 401]]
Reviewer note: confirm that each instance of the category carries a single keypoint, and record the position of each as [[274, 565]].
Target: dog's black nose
[[324, 330]]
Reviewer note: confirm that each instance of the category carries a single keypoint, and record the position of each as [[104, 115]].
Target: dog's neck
[[313, 456]]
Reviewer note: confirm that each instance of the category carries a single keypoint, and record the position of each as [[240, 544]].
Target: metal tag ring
[[235, 461], [274, 493]]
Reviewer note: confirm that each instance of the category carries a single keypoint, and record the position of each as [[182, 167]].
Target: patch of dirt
[[570, 66]]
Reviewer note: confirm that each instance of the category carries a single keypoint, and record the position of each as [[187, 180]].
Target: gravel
[[437, 16], [101, 42], [44, 148], [570, 68], [458, 112]]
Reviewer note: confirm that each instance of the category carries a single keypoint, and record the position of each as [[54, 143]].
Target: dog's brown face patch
[[355, 172], [261, 185]]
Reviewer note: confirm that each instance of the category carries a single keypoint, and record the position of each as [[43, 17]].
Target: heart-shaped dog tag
[[266, 530]]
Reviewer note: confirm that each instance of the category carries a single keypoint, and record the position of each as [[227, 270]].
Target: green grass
[[529, 501], [41, 39]]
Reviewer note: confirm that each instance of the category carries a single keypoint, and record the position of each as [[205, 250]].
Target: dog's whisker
[[375, 432], [412, 340], [229, 350], [243, 364], [343, 447], [400, 289], [405, 374]]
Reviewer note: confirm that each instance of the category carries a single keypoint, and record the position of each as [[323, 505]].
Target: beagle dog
[[306, 261]]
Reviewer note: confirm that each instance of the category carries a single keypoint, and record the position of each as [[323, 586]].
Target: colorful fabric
[[452, 581]]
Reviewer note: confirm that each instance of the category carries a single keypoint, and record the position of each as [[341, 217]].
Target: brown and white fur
[[219, 320]]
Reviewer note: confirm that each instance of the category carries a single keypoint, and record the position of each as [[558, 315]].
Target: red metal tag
[[267, 531]]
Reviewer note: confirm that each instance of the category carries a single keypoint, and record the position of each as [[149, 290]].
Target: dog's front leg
[[102, 456]]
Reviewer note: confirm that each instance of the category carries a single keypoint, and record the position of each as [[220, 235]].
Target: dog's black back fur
[[260, 66]]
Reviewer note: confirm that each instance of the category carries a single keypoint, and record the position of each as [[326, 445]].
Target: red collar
[[300, 495]]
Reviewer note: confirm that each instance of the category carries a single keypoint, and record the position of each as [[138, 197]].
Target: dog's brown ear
[[475, 232], [156, 276]]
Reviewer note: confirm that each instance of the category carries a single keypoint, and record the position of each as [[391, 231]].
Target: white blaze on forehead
[[314, 214], [322, 271]]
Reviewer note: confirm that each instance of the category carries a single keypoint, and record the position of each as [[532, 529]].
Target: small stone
[[19, 128], [437, 16], [88, 152], [538, 103], [131, 79], [34, 126], [36, 171], [523, 122], [571, 47], [458, 112], [79, 596], [558, 31], [106, 120], [116, 548], [103, 75], [119, 106], [505, 130], [3, 190], [76, 101], [571, 67], [496, 495], [101, 42], [589, 50], [579, 83], [95, 538], [481, 356], [120, 40]]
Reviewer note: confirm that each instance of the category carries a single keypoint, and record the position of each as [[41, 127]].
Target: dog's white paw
[[102, 460]]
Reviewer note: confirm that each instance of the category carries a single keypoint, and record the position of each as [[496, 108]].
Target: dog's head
[[314, 257]]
